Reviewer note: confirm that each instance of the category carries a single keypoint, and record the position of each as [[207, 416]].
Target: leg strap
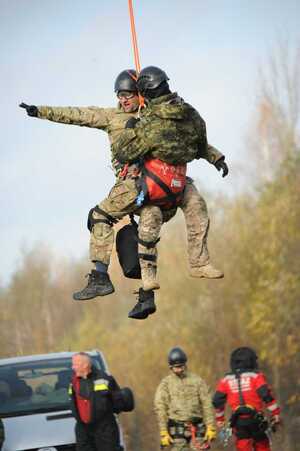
[[108, 219], [148, 244], [150, 258], [108, 216]]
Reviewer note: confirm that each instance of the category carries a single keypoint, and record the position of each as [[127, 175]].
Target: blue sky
[[68, 52]]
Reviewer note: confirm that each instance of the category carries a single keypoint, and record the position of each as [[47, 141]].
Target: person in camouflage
[[122, 196], [169, 128], [121, 199], [183, 407], [174, 132]]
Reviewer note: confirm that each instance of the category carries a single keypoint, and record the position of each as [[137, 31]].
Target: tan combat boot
[[148, 270], [206, 272]]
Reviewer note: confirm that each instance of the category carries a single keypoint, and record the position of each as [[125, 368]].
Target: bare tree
[[275, 133]]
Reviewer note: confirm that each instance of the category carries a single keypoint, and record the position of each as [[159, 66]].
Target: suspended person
[[247, 393], [95, 397], [113, 120], [100, 223], [183, 407], [172, 131]]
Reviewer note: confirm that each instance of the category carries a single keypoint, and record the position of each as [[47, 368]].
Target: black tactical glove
[[31, 110], [221, 165], [131, 123]]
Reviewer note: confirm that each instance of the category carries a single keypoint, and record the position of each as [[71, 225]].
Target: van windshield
[[36, 386]]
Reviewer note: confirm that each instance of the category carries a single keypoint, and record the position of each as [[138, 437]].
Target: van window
[[36, 387]]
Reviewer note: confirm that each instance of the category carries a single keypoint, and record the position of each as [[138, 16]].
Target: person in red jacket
[[247, 392], [91, 394]]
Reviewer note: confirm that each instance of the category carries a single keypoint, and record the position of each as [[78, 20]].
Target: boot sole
[[206, 277], [139, 316], [144, 314], [87, 298]]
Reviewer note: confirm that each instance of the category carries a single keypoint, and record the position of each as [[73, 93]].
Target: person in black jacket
[[92, 393]]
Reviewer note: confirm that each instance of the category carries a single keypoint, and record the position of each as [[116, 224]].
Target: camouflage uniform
[[181, 399], [169, 125], [169, 129], [120, 200]]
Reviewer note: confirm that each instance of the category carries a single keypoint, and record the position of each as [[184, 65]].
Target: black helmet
[[126, 81], [177, 357], [243, 359], [150, 78]]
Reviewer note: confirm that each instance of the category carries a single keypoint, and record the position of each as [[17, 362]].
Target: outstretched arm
[[85, 117]]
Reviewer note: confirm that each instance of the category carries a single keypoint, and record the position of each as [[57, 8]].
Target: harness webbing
[[170, 196], [241, 397], [148, 257], [148, 244], [110, 218]]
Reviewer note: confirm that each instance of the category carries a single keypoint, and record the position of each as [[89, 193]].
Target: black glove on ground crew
[[31, 110], [221, 165]]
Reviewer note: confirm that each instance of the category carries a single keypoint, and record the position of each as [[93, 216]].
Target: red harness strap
[[197, 445]]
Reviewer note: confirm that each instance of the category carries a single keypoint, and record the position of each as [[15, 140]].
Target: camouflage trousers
[[197, 224], [121, 202]]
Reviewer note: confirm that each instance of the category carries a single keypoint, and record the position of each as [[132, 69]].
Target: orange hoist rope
[[135, 46]]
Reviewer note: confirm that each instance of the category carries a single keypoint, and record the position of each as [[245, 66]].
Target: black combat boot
[[99, 284], [145, 305]]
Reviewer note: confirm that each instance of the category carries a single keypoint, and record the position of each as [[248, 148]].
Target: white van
[[34, 401]]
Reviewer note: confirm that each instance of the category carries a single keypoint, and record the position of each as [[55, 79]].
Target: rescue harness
[[192, 431], [162, 183], [159, 183], [246, 415]]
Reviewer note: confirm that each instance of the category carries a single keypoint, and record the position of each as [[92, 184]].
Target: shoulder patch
[[101, 385]]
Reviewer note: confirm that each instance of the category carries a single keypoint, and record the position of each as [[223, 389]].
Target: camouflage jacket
[[169, 129], [181, 399], [2, 435], [110, 120]]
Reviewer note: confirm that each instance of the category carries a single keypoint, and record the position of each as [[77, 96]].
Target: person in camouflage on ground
[[113, 120], [183, 407]]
